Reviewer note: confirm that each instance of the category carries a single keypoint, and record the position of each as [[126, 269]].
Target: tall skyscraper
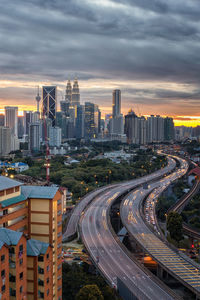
[[49, 103], [55, 136], [28, 118], [91, 120], [116, 103], [169, 129], [38, 98], [34, 136], [20, 126], [11, 120], [132, 128], [2, 119], [75, 93], [68, 93], [80, 117], [5, 140]]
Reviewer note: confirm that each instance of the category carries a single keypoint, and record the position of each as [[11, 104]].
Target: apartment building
[[36, 211]]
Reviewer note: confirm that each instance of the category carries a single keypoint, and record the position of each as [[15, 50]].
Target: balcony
[[12, 264]]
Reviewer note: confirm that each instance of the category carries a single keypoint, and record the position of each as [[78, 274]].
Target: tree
[[174, 225], [89, 292]]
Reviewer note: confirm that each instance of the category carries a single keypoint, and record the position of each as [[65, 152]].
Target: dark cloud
[[47, 40]]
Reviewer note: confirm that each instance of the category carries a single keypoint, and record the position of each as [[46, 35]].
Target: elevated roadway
[[72, 225], [106, 250], [180, 268]]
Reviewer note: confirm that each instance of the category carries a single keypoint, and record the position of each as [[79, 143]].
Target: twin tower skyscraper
[[72, 95]]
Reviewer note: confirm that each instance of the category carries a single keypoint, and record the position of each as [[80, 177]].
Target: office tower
[[68, 93], [75, 93], [61, 121], [35, 116], [91, 120], [2, 120], [34, 137], [20, 127], [49, 103], [116, 103], [11, 120], [5, 140], [38, 98], [54, 136], [64, 107], [116, 125], [142, 130], [35, 211], [80, 118], [28, 118], [155, 129], [168, 129], [131, 128]]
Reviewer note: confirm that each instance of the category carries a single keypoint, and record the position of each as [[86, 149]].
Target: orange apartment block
[[40, 270], [4, 271], [37, 212], [16, 265]]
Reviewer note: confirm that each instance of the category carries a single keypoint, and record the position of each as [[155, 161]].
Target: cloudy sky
[[149, 49]]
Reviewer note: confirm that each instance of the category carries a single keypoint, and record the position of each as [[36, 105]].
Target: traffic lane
[[123, 266], [71, 228], [159, 251]]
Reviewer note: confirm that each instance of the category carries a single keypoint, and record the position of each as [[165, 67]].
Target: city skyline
[[148, 50]]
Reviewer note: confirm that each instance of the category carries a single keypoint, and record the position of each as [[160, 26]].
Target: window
[[9, 191], [2, 258], [21, 247], [5, 212], [3, 273], [21, 276], [5, 224], [47, 255], [40, 258], [47, 268], [47, 279], [21, 289], [12, 250], [3, 288], [21, 261], [47, 292], [17, 189], [1, 193]]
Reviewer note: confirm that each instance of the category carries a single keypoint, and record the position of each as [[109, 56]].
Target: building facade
[[49, 103]]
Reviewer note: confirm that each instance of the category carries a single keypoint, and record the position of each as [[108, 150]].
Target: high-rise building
[[116, 103], [91, 120], [168, 129], [75, 93], [2, 120], [34, 137], [11, 120], [34, 267], [28, 118], [131, 128], [49, 103], [155, 129], [80, 117], [20, 127], [68, 93], [5, 140], [54, 136]]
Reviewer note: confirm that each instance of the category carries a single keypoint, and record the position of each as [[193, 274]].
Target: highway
[[86, 200], [106, 250], [182, 269]]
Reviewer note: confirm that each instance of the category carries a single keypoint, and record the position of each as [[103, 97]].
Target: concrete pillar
[[159, 271]]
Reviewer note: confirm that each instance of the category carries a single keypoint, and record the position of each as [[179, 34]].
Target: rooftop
[[41, 192], [13, 200], [10, 237], [7, 183], [35, 247]]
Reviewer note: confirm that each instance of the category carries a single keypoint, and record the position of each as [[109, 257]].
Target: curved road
[[76, 214], [176, 265], [106, 250]]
